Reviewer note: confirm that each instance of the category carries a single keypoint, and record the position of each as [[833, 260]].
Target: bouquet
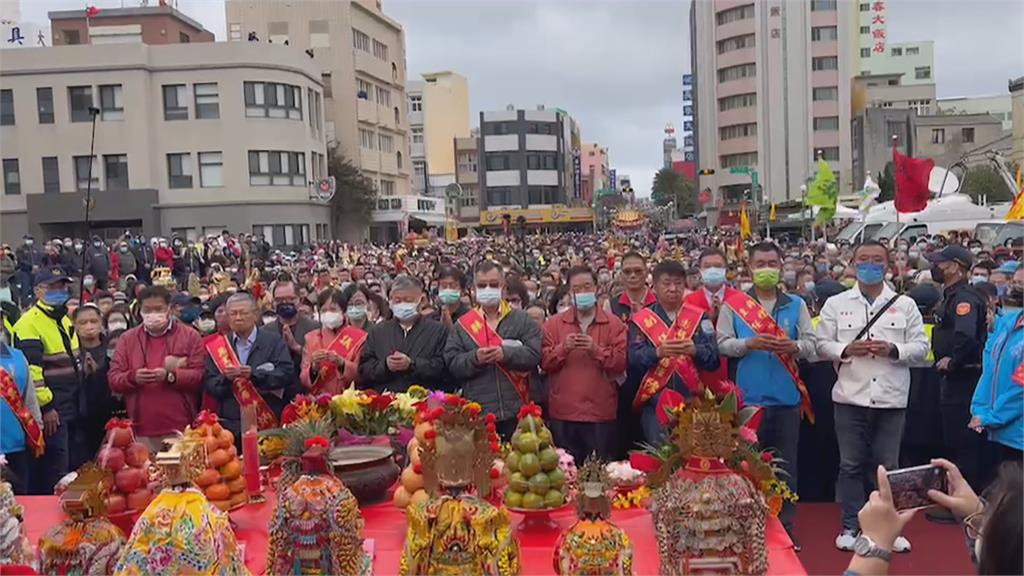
[[365, 413]]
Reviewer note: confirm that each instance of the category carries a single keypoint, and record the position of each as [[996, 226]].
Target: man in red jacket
[[158, 367], [709, 298]]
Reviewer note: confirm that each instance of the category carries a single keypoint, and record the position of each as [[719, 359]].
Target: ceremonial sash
[[345, 344], [652, 326], [476, 326], [761, 322], [33, 433], [245, 392], [1018, 374]]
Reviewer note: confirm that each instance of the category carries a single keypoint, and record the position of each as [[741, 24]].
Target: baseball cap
[[51, 276], [1009, 267], [184, 299], [952, 253]]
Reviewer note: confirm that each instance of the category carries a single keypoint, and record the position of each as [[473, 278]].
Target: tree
[[355, 195], [671, 186], [984, 181], [887, 183]]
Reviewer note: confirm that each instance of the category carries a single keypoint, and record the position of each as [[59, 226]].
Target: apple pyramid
[[535, 482]]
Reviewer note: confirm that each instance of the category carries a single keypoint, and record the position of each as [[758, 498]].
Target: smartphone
[[910, 486]]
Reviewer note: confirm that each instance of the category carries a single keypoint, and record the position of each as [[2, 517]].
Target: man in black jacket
[[406, 349]]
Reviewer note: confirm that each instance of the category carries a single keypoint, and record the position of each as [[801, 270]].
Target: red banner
[[476, 326], [245, 392], [346, 344], [33, 433], [657, 332]]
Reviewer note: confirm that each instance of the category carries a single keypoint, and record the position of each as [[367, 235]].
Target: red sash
[[476, 326], [33, 433], [1018, 374], [346, 344], [761, 322], [657, 332], [245, 392]]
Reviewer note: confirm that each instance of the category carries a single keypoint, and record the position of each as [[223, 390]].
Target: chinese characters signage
[[877, 25]]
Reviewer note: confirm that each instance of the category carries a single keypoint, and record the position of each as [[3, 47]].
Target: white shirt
[[871, 381]]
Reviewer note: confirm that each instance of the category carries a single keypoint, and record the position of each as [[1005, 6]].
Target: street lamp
[[521, 230]]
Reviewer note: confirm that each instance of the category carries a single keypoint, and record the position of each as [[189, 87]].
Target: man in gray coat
[[492, 349]]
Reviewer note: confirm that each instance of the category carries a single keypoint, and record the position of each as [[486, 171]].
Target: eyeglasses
[[974, 524], [632, 271]]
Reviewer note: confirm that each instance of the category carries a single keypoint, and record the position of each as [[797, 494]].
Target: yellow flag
[[771, 213], [744, 221], [1017, 209]]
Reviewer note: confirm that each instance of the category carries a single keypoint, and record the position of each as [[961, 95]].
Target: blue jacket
[[12, 435], [999, 401], [642, 354], [760, 374]]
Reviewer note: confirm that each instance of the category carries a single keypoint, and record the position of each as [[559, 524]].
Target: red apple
[[120, 437], [139, 499], [111, 458], [116, 503], [128, 479], [136, 455]]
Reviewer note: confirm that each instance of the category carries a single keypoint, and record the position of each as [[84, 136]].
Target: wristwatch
[[865, 547], [171, 378]]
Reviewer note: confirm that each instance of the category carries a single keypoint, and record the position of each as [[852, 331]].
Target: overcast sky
[[617, 65]]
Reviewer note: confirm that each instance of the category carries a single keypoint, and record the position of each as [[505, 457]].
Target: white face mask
[[206, 325], [116, 325], [154, 321], [332, 320], [488, 296]]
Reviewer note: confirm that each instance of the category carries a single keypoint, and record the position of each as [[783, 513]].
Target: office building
[[668, 146], [915, 61], [889, 91], [998, 105], [947, 138], [872, 131], [467, 208], [1016, 89], [438, 114], [359, 53], [190, 139], [772, 89], [594, 171], [146, 24]]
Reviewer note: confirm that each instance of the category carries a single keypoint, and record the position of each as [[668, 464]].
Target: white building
[[998, 105]]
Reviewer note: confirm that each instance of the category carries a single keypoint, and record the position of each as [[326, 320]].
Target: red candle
[[251, 461]]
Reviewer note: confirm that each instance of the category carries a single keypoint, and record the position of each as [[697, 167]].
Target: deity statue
[[593, 546]]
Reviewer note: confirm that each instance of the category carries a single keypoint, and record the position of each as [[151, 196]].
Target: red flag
[[91, 11], [911, 175]]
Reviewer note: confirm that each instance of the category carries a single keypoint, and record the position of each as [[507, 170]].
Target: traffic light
[[706, 172], [627, 189]]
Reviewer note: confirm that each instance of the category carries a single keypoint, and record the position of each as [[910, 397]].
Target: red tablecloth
[[386, 526]]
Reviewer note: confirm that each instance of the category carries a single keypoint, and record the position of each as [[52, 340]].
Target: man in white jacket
[[873, 368]]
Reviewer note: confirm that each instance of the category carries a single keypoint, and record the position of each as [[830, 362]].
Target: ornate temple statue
[[708, 508], [14, 545], [317, 528], [180, 532], [593, 546], [85, 543], [455, 532]]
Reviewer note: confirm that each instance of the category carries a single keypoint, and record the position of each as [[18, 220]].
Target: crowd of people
[[859, 356]]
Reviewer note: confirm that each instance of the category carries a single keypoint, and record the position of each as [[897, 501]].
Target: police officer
[[957, 342]]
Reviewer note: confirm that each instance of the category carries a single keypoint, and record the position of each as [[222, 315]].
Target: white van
[[942, 215]]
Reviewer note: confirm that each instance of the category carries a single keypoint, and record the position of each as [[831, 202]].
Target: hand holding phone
[[910, 486]]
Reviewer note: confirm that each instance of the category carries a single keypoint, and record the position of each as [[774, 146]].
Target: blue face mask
[[870, 273], [713, 277], [585, 300], [978, 279], [57, 297], [448, 296], [355, 312], [404, 310]]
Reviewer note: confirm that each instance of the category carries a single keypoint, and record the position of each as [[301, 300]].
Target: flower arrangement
[[365, 412]]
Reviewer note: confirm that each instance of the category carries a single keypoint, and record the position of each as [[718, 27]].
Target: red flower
[[288, 415], [644, 462], [118, 423], [324, 400], [430, 434], [207, 417], [766, 456], [317, 441], [530, 409], [495, 473], [473, 409], [491, 418], [382, 401], [417, 468], [491, 427], [495, 447], [436, 413]]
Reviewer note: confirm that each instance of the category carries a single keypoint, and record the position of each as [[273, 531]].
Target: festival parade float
[[455, 531], [593, 545]]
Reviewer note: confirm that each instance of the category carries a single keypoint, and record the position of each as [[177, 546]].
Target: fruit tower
[[222, 481], [535, 482], [128, 463]]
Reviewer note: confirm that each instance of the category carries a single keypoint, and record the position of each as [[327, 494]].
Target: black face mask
[[938, 274], [1014, 297], [287, 311]]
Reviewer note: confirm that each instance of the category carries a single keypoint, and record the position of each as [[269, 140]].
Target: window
[[87, 173], [12, 177], [893, 82], [544, 194], [825, 93], [364, 90], [830, 154], [967, 134], [865, 29], [325, 78], [734, 14], [207, 101], [737, 131], [419, 168], [387, 143], [276, 168], [499, 196], [183, 38], [272, 100], [277, 32], [44, 104], [825, 63], [823, 5], [501, 161], [235, 32], [737, 101], [211, 169], [72, 37], [736, 72], [540, 128], [923, 72], [179, 170], [51, 175], [387, 188], [175, 107], [541, 161], [896, 52], [425, 205], [7, 107], [826, 123], [417, 135], [467, 162], [735, 43], [360, 41], [367, 139], [319, 34], [737, 160], [380, 50], [416, 103], [499, 128], [383, 96], [824, 34], [80, 99], [938, 135], [111, 102], [912, 51], [865, 52], [115, 169], [865, 6]]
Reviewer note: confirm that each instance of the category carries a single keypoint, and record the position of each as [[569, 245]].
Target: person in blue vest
[[760, 373], [13, 445]]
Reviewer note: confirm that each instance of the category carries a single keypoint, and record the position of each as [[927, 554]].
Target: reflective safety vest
[[50, 349]]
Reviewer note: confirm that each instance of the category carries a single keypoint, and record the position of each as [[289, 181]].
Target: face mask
[[97, 244], [115, 325], [29, 242], [1014, 297], [124, 249], [870, 273], [766, 277], [287, 310], [89, 282], [822, 268], [5, 294], [403, 310], [269, 318], [746, 286], [356, 312], [78, 247], [110, 352], [488, 296], [331, 319], [809, 286], [789, 277], [848, 282], [448, 296], [206, 325], [154, 321], [604, 278], [978, 279], [713, 277], [56, 297], [938, 274], [585, 300]]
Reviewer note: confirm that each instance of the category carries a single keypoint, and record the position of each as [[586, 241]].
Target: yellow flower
[[416, 392], [406, 403], [349, 402]]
